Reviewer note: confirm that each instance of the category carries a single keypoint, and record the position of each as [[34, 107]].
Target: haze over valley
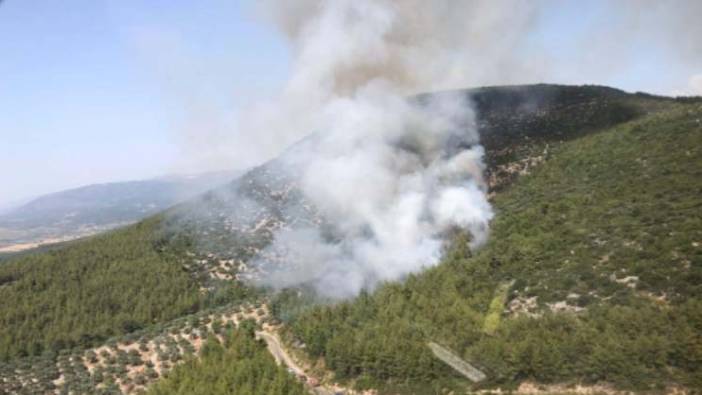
[[92, 209]]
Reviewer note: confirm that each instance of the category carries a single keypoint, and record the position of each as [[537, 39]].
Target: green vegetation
[[604, 238], [497, 305], [124, 364], [88, 291], [242, 366]]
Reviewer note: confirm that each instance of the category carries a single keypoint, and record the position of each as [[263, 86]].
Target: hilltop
[[591, 275]]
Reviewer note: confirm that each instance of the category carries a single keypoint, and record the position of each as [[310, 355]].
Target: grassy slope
[[622, 202]]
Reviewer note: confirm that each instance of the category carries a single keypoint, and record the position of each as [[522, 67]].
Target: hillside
[[594, 254], [91, 209], [591, 276], [516, 125]]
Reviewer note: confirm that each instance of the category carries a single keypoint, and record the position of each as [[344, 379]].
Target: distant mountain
[[7, 206], [87, 210]]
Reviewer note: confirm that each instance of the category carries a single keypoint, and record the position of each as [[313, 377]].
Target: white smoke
[[696, 84], [390, 174], [412, 46], [693, 88], [416, 45]]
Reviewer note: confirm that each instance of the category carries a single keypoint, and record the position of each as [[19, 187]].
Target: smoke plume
[[390, 174], [416, 46]]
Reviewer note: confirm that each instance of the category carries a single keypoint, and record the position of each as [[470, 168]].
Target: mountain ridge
[[94, 208]]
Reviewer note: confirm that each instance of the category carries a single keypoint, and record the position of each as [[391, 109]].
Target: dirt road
[[282, 357], [279, 353]]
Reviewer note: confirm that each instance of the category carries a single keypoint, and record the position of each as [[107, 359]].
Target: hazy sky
[[98, 90]]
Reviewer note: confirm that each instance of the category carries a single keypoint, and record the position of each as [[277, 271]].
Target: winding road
[[282, 357]]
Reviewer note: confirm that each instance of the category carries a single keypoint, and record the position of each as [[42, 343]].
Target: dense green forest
[[88, 291], [600, 248], [241, 366]]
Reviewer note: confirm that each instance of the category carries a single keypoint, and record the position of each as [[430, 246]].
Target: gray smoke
[[417, 46], [411, 46], [420, 46], [390, 175]]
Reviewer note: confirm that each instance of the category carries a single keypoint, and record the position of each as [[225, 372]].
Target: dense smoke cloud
[[412, 46], [391, 177], [389, 174]]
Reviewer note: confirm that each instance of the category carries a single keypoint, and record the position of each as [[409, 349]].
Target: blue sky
[[97, 91], [85, 95]]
